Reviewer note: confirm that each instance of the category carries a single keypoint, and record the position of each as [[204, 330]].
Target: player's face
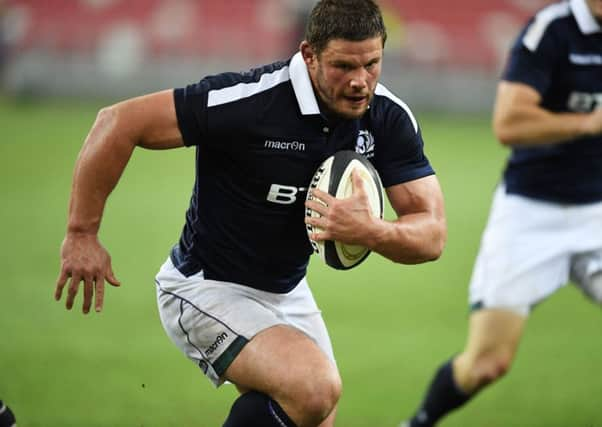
[[345, 74], [596, 8]]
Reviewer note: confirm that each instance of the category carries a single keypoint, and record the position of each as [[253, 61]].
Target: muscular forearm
[[412, 239], [101, 162]]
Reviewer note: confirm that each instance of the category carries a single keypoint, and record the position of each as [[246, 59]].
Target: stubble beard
[[328, 99]]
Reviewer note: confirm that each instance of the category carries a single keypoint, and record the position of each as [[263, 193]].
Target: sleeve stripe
[[543, 19], [383, 91], [245, 90]]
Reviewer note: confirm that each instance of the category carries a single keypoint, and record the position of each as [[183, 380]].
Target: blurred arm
[[518, 118]]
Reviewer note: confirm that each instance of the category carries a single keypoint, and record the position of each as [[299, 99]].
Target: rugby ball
[[333, 176]]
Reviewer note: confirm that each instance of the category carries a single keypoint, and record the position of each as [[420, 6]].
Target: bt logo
[[284, 194], [584, 102]]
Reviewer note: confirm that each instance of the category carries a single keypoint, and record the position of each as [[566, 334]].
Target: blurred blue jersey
[[259, 138], [559, 54]]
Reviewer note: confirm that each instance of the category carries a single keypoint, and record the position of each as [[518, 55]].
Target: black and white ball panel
[[334, 177]]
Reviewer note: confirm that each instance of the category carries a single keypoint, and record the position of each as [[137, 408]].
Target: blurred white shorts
[[211, 321], [527, 249]]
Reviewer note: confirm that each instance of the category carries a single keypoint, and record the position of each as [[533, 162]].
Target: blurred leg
[[493, 339]]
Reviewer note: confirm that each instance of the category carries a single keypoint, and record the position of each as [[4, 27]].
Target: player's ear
[[307, 52]]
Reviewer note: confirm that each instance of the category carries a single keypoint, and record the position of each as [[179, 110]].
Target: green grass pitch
[[391, 325]]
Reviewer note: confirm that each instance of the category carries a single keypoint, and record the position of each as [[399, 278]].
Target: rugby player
[[545, 225], [232, 294]]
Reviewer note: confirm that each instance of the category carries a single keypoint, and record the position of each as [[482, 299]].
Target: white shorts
[[211, 321], [527, 249]]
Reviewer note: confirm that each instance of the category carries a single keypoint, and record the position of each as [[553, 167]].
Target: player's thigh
[[216, 323], [301, 311], [209, 321], [283, 361], [287, 351]]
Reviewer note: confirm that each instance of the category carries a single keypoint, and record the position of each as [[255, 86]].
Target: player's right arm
[[518, 118], [147, 121]]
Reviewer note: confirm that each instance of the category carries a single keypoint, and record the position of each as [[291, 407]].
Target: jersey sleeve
[[215, 111], [534, 56], [191, 112], [401, 158]]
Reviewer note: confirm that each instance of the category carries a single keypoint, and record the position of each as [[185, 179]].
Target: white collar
[[302, 86], [585, 19]]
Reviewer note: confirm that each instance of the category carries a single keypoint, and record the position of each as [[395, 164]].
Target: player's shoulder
[[554, 11], [387, 105], [234, 86], [252, 75], [550, 22]]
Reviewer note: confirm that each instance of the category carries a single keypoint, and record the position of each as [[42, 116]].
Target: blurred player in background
[[545, 226], [233, 294]]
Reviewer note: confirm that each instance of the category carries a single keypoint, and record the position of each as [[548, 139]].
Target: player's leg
[[302, 313], [286, 365], [518, 265], [492, 342], [243, 335], [494, 336]]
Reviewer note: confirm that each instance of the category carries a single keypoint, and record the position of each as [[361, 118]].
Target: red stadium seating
[[462, 33]]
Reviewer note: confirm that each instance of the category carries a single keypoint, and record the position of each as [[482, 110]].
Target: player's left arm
[[420, 231], [417, 235]]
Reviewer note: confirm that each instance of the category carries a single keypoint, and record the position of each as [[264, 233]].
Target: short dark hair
[[354, 20]]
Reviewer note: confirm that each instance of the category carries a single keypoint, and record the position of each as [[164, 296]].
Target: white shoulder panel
[[542, 20], [383, 91], [245, 90]]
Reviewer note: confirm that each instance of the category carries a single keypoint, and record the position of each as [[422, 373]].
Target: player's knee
[[499, 367], [317, 396], [491, 367]]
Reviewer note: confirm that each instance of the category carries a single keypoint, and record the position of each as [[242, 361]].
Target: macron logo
[[284, 145], [219, 340]]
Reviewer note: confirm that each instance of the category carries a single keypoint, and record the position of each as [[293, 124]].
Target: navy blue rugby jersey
[[559, 53], [259, 138]]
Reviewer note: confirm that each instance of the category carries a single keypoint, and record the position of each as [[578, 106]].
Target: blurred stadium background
[[391, 325], [125, 47]]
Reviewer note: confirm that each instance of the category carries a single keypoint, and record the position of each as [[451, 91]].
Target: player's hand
[[84, 259], [346, 220]]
